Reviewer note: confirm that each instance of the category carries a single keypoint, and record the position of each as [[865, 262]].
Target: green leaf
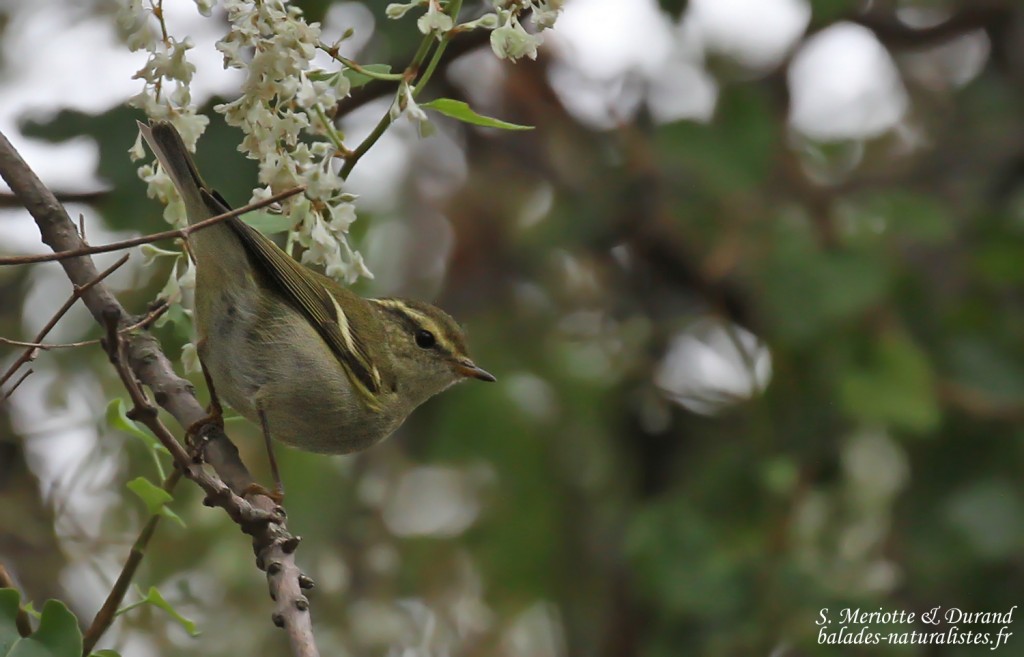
[[268, 223], [895, 386], [171, 515], [320, 75], [151, 495], [105, 653], [998, 261], [58, 634], [907, 214], [154, 598], [9, 600], [825, 11], [806, 291], [117, 417], [177, 317], [457, 109], [982, 364], [988, 514], [679, 562], [730, 157], [359, 79]]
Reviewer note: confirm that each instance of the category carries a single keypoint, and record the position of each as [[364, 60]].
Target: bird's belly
[[304, 393]]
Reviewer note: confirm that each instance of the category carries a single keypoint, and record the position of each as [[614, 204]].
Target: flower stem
[[410, 74], [333, 52], [456, 5]]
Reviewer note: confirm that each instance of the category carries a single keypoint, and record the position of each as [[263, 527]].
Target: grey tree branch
[[140, 361]]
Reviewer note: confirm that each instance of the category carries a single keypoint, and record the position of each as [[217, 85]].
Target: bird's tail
[[166, 143]]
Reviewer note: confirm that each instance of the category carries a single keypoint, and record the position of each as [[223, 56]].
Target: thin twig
[[150, 317], [410, 74], [47, 346], [274, 546], [21, 620], [104, 618], [27, 355], [332, 51], [455, 8], [12, 201], [464, 42], [143, 411], [155, 237], [28, 372]]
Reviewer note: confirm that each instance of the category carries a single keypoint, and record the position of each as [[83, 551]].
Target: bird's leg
[[278, 486], [214, 412], [278, 493]]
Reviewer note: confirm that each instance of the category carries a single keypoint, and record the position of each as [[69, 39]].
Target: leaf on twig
[[267, 223], [117, 417], [155, 498], [154, 598], [457, 109], [58, 634], [359, 79]]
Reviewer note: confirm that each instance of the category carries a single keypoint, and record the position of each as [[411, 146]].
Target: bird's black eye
[[425, 339]]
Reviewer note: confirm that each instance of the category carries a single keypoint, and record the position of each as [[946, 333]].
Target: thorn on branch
[[289, 544]]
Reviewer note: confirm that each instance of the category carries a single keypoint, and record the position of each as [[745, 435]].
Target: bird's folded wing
[[309, 296]]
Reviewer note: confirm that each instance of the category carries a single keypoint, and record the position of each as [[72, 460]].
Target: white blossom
[[190, 359], [546, 12], [434, 21], [511, 41], [282, 107], [396, 10], [486, 22]]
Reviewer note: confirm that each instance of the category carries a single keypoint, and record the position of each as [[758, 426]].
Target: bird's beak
[[468, 369]]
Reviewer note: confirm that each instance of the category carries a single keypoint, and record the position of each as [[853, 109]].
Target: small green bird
[[316, 365]]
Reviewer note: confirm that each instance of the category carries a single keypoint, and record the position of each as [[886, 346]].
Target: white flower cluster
[[286, 106], [282, 98], [165, 94], [509, 39], [166, 76]]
